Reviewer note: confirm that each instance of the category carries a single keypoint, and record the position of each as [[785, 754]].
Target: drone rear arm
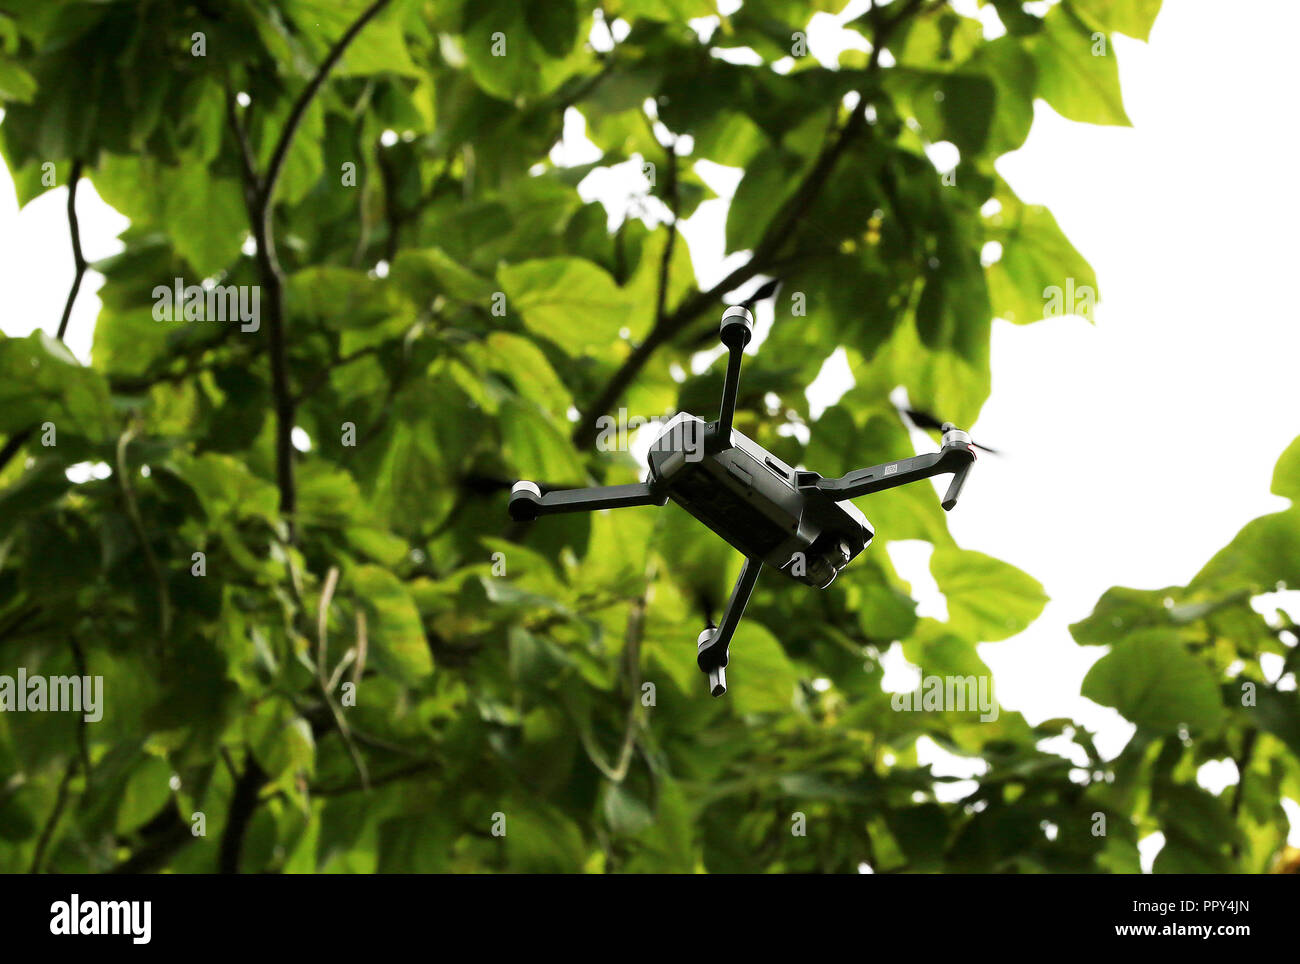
[[956, 457], [712, 657], [527, 501]]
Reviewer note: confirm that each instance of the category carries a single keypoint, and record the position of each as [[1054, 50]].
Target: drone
[[788, 519]]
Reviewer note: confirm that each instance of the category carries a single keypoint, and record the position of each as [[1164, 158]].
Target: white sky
[[1138, 445]]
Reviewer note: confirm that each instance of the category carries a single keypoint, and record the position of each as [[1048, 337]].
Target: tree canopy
[[280, 537]]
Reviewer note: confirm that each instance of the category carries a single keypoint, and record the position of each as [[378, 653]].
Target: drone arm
[[954, 487], [713, 657], [956, 458], [730, 388], [737, 328], [527, 502]]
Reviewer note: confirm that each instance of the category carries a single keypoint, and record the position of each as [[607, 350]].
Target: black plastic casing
[[761, 506]]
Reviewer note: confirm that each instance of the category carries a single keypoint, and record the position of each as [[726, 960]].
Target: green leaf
[[1081, 83], [505, 55], [1153, 680], [41, 381], [568, 301], [378, 48], [1131, 17], [1286, 475], [956, 107], [1263, 557], [988, 599], [554, 24], [145, 793], [203, 216], [760, 677], [396, 634], [770, 178], [1122, 611], [429, 272], [304, 163], [536, 447], [342, 298], [541, 840], [1014, 75], [528, 370], [1040, 274], [16, 84], [937, 42], [226, 488]]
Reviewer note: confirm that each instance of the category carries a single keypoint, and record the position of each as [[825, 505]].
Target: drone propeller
[[924, 420]]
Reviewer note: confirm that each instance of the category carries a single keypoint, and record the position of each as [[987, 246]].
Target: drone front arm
[[712, 655], [527, 501], [736, 330], [955, 458]]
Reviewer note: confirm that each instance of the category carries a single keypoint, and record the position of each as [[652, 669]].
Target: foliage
[[498, 670], [1190, 667]]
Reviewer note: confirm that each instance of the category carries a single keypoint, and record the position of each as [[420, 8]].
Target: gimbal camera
[[792, 520]]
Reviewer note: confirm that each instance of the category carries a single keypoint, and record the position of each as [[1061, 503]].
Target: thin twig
[[665, 263], [322, 619], [323, 676], [19, 438], [47, 832], [304, 100], [78, 259], [137, 523]]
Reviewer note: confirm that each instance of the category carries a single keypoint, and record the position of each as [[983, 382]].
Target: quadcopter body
[[791, 520], [756, 502]]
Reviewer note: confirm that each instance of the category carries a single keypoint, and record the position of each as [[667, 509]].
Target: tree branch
[[78, 259], [137, 523], [16, 441], [60, 802], [173, 836], [667, 327], [777, 233], [259, 197], [665, 263], [304, 100], [11, 447], [243, 804]]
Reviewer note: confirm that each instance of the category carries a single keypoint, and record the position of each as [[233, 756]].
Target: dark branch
[[243, 804], [78, 259], [60, 803], [259, 194], [17, 440], [305, 98]]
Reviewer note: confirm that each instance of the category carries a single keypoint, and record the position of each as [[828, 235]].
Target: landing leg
[[712, 657]]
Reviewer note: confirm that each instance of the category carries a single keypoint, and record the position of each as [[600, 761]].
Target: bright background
[[1136, 445]]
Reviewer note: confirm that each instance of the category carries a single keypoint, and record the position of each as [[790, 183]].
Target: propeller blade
[[924, 420]]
